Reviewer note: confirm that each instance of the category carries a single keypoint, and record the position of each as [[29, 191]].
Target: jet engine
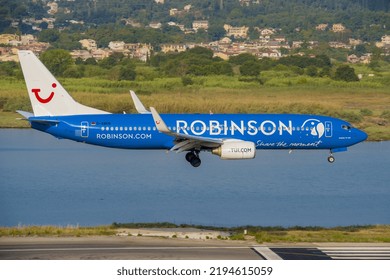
[[236, 150]]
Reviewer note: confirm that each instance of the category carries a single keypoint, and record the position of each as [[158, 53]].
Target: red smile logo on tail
[[36, 91]]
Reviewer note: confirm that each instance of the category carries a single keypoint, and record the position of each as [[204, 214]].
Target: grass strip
[[354, 233]]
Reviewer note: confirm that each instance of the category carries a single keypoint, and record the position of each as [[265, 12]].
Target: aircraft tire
[[190, 156], [195, 162], [331, 159]]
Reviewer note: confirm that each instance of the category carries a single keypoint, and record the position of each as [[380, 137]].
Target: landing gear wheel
[[195, 162], [193, 159], [190, 156], [331, 159]]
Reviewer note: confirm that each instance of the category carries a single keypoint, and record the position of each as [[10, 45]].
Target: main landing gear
[[193, 158]]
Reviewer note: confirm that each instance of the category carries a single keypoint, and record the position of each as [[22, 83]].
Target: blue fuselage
[[267, 131]]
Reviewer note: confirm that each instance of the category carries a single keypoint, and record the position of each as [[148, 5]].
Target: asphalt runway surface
[[146, 248]]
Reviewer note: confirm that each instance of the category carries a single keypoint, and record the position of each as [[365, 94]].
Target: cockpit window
[[346, 127]]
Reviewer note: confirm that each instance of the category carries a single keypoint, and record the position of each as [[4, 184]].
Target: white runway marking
[[267, 253], [357, 253]]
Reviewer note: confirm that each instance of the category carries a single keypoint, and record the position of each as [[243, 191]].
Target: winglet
[[138, 104], [160, 124]]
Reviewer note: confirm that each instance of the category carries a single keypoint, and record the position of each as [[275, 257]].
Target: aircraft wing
[[184, 142]]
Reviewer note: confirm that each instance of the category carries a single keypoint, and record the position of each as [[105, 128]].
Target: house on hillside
[[270, 53], [166, 48], [384, 43], [355, 42], [28, 39], [82, 54], [339, 45], [338, 27], [236, 32], [100, 54], [88, 44], [155, 25], [5, 39], [200, 24], [53, 8], [322, 27], [139, 51], [117, 46]]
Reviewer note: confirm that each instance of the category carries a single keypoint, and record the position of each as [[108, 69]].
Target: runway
[[113, 248], [144, 248]]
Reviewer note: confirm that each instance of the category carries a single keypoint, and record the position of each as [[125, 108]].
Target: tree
[[216, 32], [8, 68], [49, 35], [250, 68], [312, 71], [200, 51], [43, 25], [242, 58], [73, 72], [57, 61], [111, 61], [346, 73], [360, 50], [221, 68], [127, 73]]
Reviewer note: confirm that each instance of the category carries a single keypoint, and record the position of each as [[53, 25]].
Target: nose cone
[[360, 135]]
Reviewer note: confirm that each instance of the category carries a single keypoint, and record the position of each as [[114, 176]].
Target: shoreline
[[259, 235]]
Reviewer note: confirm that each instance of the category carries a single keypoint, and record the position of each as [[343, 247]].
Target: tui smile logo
[[36, 91]]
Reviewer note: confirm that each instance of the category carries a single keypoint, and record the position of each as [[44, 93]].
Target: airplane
[[229, 136]]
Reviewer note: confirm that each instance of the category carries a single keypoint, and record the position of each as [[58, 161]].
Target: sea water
[[44, 181]]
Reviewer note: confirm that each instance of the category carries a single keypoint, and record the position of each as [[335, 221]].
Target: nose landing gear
[[331, 159], [193, 158]]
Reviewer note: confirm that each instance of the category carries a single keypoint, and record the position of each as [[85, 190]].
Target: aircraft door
[[328, 129], [84, 129]]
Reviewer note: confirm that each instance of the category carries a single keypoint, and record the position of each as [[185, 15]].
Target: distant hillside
[[364, 19]]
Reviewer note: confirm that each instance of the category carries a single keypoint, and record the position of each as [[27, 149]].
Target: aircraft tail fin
[[47, 95]]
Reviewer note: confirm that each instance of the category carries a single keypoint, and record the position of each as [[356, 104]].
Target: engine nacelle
[[236, 150]]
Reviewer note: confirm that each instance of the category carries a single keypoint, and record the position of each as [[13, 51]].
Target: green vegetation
[[370, 233], [194, 81], [365, 104], [367, 233], [56, 231]]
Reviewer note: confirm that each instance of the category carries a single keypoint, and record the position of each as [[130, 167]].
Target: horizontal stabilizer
[[44, 121], [25, 114]]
